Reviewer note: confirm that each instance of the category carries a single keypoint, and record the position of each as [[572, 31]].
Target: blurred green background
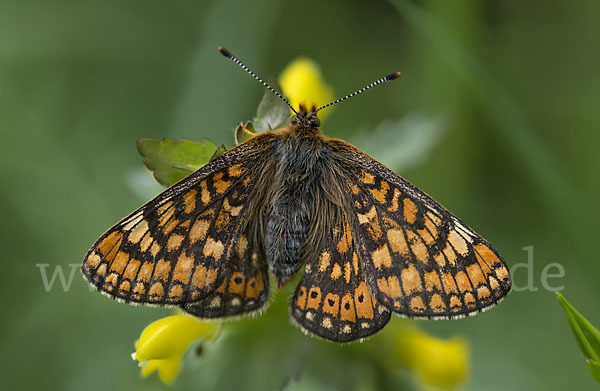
[[517, 84]]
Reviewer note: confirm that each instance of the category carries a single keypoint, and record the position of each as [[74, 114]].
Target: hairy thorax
[[297, 200]]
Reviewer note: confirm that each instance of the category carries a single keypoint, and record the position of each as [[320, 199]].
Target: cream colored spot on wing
[[381, 257], [324, 260], [483, 292], [156, 291], [458, 243], [154, 249], [203, 277], [118, 264], [93, 260], [242, 246], [146, 242], [138, 232], [411, 280], [233, 210], [466, 232], [198, 230], [174, 242], [394, 204], [493, 282], [502, 273], [183, 268], [131, 269], [366, 218], [213, 248], [432, 281], [166, 212], [437, 304], [418, 247], [176, 293], [416, 304], [162, 270], [133, 220], [397, 241]]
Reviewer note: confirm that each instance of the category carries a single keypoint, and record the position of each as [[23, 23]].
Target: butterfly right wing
[[420, 260]]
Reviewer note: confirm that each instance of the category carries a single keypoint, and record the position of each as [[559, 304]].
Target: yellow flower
[[162, 344], [302, 82], [437, 363]]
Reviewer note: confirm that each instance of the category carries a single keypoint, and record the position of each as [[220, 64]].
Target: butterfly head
[[305, 119]]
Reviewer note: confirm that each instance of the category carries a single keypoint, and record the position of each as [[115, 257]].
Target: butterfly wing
[[333, 299], [180, 247], [245, 286], [419, 259]]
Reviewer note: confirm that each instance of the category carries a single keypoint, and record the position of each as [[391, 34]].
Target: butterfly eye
[[315, 122]]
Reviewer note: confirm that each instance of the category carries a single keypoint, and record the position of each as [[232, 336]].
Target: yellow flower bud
[[437, 363], [163, 343], [302, 82]]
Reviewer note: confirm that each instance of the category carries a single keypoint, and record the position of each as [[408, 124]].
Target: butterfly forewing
[[420, 260], [178, 247]]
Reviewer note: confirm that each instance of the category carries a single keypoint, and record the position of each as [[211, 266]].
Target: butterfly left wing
[[420, 260], [245, 286], [178, 247]]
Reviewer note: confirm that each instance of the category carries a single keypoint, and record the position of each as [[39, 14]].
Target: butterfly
[[370, 243]]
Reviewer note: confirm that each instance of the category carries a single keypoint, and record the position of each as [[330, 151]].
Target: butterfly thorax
[[301, 156]]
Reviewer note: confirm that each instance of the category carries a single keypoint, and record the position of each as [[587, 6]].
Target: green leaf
[[586, 335], [595, 369], [172, 160], [244, 132], [272, 113]]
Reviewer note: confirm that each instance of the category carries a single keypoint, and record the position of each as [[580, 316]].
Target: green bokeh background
[[81, 81]]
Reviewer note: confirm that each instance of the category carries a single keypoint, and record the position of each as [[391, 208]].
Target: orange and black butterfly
[[370, 243]]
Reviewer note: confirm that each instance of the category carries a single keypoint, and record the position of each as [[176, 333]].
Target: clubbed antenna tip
[[224, 52], [393, 76]]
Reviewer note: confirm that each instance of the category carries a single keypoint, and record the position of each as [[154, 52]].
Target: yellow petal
[[170, 336], [167, 368], [438, 363], [302, 82]]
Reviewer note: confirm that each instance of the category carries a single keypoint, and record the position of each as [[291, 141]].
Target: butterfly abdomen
[[295, 188]]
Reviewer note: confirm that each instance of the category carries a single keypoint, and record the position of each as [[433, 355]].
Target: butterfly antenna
[[390, 77], [233, 58]]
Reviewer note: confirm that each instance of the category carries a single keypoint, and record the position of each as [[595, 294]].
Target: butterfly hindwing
[[245, 287], [419, 259], [333, 299], [177, 248]]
